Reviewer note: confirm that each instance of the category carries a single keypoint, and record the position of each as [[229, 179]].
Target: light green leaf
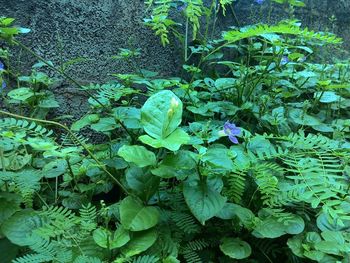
[[21, 94], [104, 238], [19, 227], [101, 236], [296, 245], [176, 165], [9, 204], [104, 125], [203, 201], [85, 121], [140, 242], [272, 227], [161, 114], [218, 158], [138, 155], [137, 217], [173, 142], [143, 183], [235, 248], [230, 211], [327, 96], [301, 118]]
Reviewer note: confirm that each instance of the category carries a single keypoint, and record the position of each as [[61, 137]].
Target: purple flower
[[2, 66], [259, 2], [182, 7], [284, 60], [232, 131], [3, 85]]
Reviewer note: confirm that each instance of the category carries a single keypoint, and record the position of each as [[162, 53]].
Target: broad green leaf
[[104, 238], [296, 245], [178, 165], [173, 142], [143, 183], [230, 211], [218, 158], [138, 155], [9, 204], [272, 227], [21, 94], [120, 238], [140, 242], [131, 117], [9, 251], [85, 121], [137, 217], [327, 96], [19, 227], [235, 248], [105, 125], [161, 114], [301, 118], [203, 201]]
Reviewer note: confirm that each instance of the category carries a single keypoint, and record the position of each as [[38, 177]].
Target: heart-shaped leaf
[[203, 200], [161, 114], [137, 217], [235, 248], [138, 155]]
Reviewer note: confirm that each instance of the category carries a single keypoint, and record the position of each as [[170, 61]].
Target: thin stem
[[61, 72], [75, 138], [186, 41]]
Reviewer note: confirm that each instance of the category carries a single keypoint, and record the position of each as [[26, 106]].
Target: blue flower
[[284, 60], [2, 68], [259, 2], [232, 131], [182, 7]]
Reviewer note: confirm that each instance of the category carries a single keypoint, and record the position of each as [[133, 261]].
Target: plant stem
[[75, 138], [61, 72]]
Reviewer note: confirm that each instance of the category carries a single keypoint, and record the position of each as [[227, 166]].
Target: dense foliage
[[244, 158]]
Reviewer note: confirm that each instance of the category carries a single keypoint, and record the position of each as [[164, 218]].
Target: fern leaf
[[33, 258]]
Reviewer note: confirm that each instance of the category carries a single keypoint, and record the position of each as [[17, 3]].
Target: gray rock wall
[[94, 30], [90, 29]]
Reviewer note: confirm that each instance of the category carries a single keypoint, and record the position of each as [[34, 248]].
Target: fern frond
[[61, 222], [266, 177], [31, 128], [186, 222], [284, 28], [309, 142], [159, 21], [25, 182], [33, 258], [193, 12], [86, 259], [146, 259], [236, 185], [224, 3], [88, 217]]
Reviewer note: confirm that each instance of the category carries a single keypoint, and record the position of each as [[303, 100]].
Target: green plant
[[174, 180]]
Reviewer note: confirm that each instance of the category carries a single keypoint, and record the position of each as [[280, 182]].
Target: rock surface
[[94, 30]]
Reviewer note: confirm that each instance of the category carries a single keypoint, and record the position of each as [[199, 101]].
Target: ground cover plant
[[244, 158]]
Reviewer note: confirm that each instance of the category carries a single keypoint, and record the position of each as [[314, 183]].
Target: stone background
[[95, 29]]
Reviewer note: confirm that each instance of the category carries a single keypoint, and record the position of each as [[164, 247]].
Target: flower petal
[[233, 139]]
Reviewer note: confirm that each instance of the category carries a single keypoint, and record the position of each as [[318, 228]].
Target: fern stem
[[2, 160], [75, 138], [186, 41]]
